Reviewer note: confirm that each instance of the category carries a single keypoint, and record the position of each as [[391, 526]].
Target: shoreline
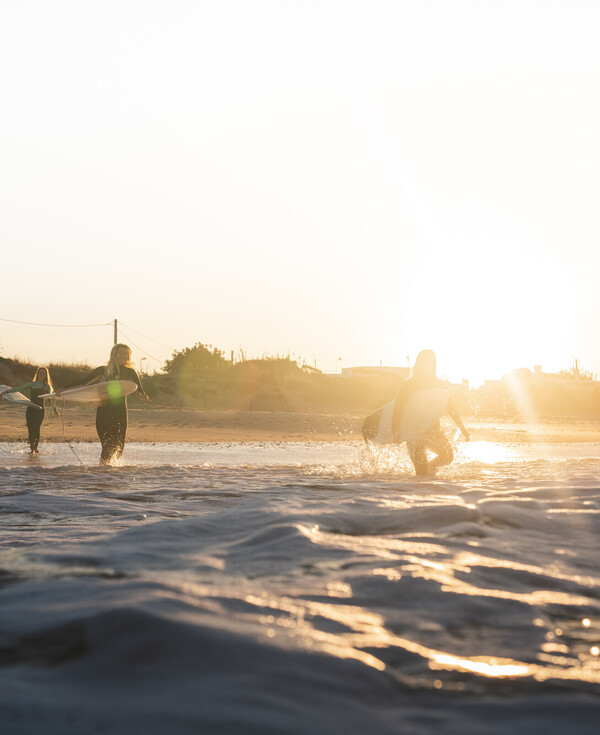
[[197, 426]]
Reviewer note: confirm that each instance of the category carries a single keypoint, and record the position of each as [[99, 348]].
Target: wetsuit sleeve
[[86, 380], [19, 388], [451, 409], [454, 414], [136, 379]]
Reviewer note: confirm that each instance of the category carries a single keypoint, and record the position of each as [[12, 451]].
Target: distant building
[[520, 374], [525, 374], [539, 394]]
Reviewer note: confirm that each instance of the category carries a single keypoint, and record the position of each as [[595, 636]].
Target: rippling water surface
[[299, 588]]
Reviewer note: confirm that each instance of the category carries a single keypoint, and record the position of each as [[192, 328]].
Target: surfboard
[[422, 410], [97, 392], [17, 398]]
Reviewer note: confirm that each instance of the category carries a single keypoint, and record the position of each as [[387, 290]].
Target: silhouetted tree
[[576, 374], [197, 359]]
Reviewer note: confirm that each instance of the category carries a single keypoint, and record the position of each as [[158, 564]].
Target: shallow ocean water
[[299, 588]]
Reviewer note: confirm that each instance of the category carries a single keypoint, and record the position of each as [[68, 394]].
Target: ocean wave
[[241, 598]]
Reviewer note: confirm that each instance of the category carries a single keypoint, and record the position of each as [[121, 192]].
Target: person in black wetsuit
[[424, 377], [111, 415], [35, 390]]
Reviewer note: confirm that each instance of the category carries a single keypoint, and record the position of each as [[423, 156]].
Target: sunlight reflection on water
[[485, 572], [487, 452]]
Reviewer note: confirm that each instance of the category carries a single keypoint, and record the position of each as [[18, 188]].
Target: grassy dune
[[199, 379]]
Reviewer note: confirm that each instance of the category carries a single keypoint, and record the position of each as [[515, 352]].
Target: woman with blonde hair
[[34, 416], [111, 414]]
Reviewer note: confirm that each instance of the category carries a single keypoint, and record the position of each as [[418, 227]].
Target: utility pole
[[115, 333]]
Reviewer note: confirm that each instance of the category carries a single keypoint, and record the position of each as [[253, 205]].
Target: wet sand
[[157, 424]]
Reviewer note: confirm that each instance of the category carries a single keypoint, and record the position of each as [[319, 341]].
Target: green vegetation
[[201, 377], [16, 372], [199, 359]]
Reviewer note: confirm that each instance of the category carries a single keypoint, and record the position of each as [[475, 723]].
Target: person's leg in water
[[417, 451], [121, 433], [438, 443], [111, 425], [34, 418], [104, 427]]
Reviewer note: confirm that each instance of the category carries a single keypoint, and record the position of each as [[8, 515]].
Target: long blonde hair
[[424, 369], [112, 368], [48, 380]]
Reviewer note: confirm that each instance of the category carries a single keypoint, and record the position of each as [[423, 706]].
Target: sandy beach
[[155, 424]]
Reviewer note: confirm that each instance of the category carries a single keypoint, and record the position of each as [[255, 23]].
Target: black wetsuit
[[34, 416], [111, 416]]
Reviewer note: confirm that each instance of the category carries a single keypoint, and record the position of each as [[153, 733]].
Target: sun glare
[[486, 316], [486, 452]]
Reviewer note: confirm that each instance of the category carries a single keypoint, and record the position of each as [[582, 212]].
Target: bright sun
[[486, 313]]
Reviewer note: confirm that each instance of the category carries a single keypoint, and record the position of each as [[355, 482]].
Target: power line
[[146, 336], [37, 324], [104, 324], [128, 338]]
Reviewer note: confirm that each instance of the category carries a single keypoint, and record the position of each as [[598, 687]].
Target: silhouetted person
[[423, 377], [111, 415], [35, 390]]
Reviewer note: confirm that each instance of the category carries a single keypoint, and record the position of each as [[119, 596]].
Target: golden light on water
[[393, 575], [484, 666], [556, 659], [358, 631], [486, 452], [416, 559], [366, 630], [337, 627]]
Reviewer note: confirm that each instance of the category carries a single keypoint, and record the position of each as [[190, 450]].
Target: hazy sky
[[334, 179]]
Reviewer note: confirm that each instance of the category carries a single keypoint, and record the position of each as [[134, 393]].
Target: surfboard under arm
[[18, 398], [421, 412], [97, 392]]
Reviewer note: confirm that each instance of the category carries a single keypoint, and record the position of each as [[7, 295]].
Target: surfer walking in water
[[111, 414], [423, 377], [34, 416]]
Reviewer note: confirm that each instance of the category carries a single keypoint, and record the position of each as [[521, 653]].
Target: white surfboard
[[97, 392], [17, 397], [421, 412]]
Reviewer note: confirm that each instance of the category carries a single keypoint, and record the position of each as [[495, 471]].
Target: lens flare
[[114, 390]]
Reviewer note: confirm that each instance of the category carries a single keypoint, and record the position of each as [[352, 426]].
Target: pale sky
[[331, 179]]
